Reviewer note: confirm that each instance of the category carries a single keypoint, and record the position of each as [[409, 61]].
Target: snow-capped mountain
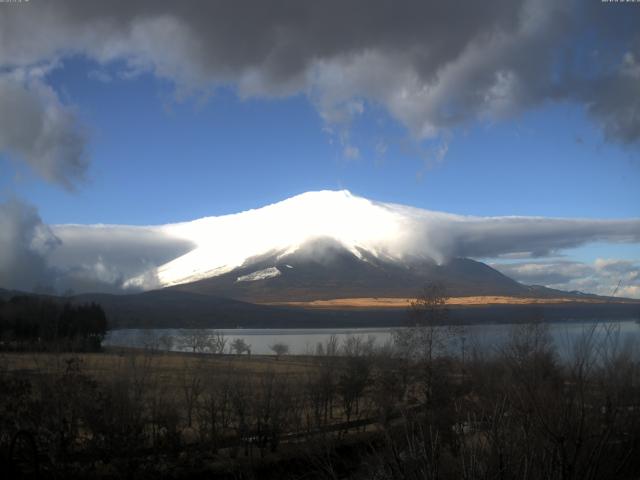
[[323, 269], [384, 231], [241, 253]]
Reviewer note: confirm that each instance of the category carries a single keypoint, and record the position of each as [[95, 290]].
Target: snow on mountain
[[263, 274], [226, 242], [368, 229]]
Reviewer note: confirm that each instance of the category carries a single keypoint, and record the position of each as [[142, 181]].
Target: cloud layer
[[103, 257], [82, 258], [110, 257], [604, 276], [432, 65]]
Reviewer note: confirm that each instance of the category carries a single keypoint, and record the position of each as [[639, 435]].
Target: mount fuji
[[332, 244], [358, 260]]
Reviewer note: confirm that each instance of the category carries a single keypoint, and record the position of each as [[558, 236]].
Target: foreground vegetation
[[353, 410]]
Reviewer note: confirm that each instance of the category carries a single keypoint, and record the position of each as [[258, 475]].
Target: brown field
[[128, 413], [169, 367], [382, 302]]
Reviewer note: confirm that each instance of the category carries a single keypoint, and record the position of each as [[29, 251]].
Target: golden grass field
[[381, 302]]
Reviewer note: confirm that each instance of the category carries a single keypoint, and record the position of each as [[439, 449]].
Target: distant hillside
[[173, 309]]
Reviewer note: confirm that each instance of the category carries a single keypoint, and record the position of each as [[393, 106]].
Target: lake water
[[304, 341]]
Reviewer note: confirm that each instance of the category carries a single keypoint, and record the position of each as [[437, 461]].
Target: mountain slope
[[376, 249], [323, 269], [228, 242]]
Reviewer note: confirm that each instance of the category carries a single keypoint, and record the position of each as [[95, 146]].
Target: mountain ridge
[[322, 270], [367, 229]]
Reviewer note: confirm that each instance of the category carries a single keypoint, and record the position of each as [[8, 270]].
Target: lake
[[303, 341]]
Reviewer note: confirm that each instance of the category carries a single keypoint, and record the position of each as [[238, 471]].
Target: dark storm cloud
[[24, 244], [37, 128], [432, 64], [279, 38], [615, 101]]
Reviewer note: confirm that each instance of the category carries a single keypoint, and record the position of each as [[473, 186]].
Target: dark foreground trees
[[524, 412], [521, 410], [39, 323]]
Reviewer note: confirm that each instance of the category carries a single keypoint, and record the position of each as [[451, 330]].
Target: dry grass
[[381, 302], [169, 367]]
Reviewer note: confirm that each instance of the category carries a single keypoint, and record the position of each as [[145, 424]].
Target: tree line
[[29, 322]]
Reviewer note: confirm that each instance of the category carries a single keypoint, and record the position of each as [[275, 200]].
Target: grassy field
[[349, 413], [381, 302], [168, 366]]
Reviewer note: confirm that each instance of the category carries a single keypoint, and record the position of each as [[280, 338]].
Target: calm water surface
[[304, 341]]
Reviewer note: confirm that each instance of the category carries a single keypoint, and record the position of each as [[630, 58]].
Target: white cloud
[[351, 152], [103, 257], [603, 276], [82, 258], [100, 75]]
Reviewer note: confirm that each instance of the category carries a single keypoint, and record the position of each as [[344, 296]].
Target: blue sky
[[156, 158], [152, 112]]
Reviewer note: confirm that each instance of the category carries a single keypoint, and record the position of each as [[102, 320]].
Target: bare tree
[[240, 346], [430, 329], [280, 349], [166, 342], [320, 388], [352, 382], [329, 348], [427, 336], [150, 341], [358, 345], [215, 408], [192, 388], [272, 407], [195, 340], [216, 343], [240, 402]]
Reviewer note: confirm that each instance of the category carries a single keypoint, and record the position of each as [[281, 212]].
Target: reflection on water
[[304, 341]]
